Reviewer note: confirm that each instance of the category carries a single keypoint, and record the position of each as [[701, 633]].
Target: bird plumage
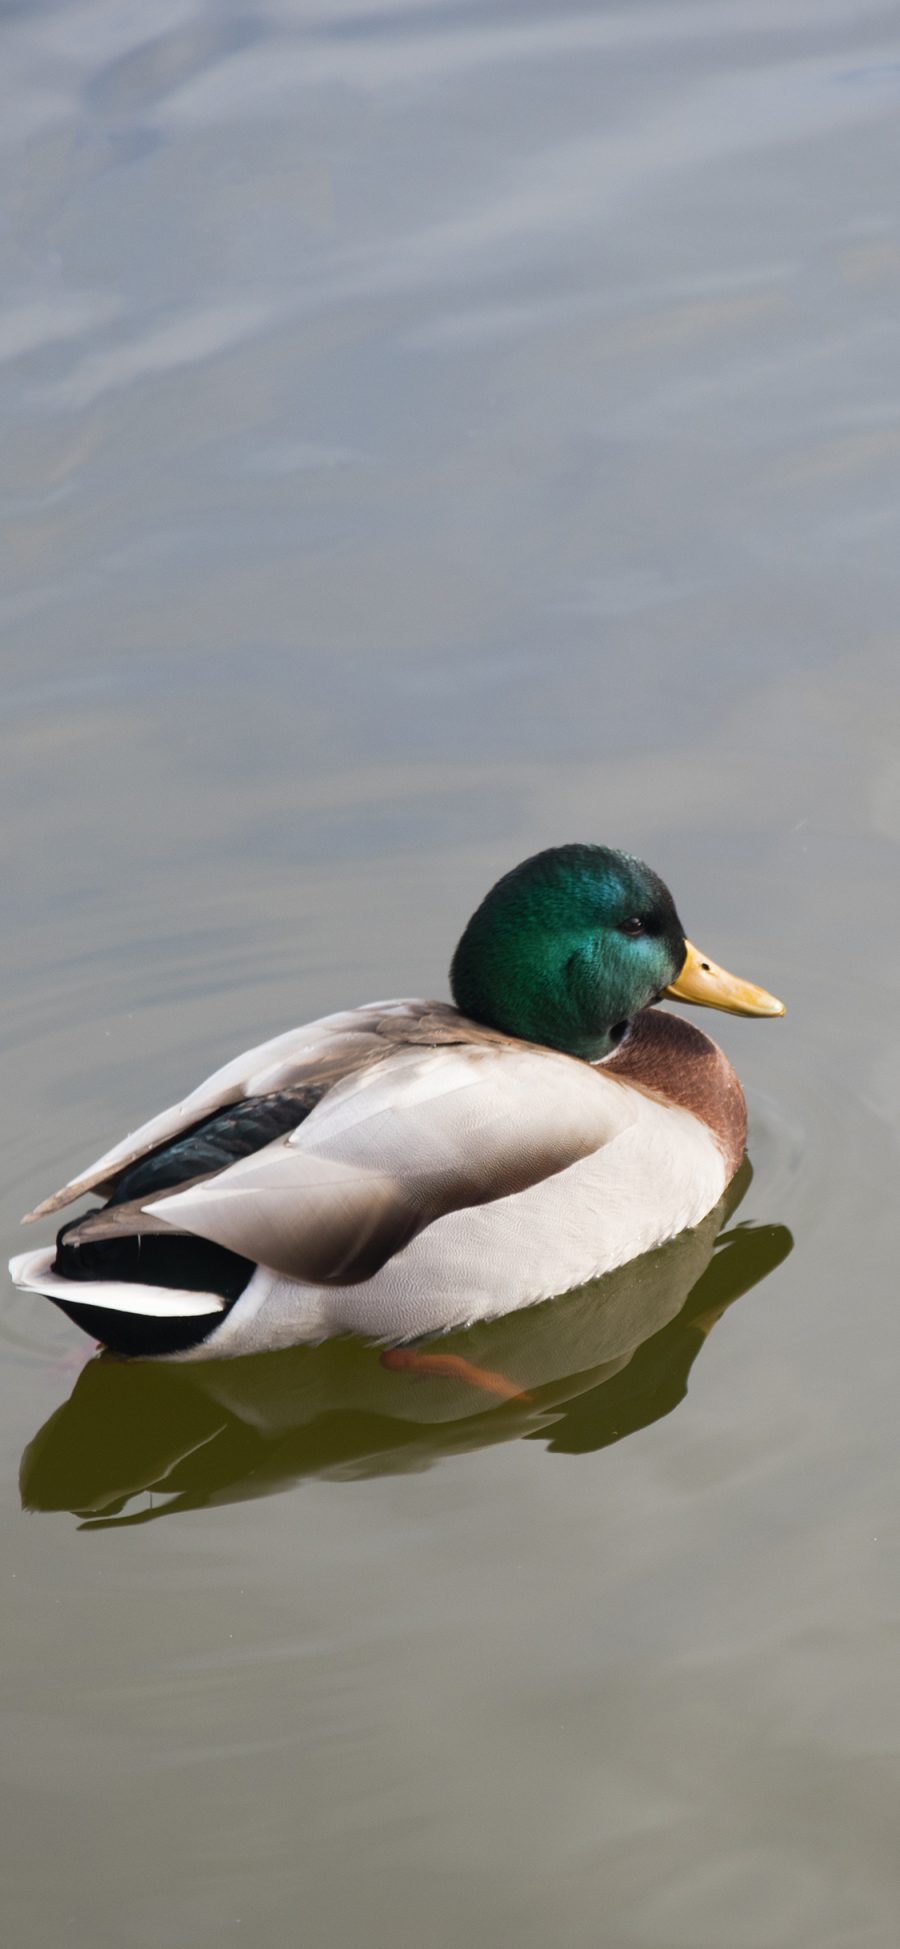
[[400, 1168]]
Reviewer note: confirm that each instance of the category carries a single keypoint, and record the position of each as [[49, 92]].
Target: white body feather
[[662, 1173]]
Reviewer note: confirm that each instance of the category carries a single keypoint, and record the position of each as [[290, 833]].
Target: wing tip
[[98, 1182], [44, 1209]]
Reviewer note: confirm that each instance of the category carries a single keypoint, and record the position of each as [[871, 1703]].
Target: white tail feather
[[32, 1273]]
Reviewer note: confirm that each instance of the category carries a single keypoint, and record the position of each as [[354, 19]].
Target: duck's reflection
[[596, 1365]]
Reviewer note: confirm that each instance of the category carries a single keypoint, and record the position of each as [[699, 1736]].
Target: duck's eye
[[631, 927]]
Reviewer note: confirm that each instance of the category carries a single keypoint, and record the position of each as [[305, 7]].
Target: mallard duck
[[410, 1166]]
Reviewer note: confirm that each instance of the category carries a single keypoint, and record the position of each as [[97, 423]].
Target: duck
[[408, 1167]]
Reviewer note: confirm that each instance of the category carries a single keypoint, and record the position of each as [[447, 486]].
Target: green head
[[568, 948]]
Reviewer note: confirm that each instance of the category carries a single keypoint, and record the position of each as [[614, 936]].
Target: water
[[431, 433]]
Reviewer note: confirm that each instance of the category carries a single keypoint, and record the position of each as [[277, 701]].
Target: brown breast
[[668, 1055]]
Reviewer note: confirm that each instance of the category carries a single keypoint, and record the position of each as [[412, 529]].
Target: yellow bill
[[702, 982]]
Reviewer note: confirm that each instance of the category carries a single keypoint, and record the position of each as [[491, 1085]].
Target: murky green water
[[430, 433]]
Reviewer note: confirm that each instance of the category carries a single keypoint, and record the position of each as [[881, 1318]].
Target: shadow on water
[[593, 1366]]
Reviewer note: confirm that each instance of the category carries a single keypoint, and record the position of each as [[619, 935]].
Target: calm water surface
[[430, 433]]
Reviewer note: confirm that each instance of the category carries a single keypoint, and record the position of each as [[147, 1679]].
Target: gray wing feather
[[323, 1051], [395, 1148]]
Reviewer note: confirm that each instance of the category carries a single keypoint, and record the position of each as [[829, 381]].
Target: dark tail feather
[[138, 1335], [179, 1261]]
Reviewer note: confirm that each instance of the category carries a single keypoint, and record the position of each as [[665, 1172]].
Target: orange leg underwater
[[451, 1366]]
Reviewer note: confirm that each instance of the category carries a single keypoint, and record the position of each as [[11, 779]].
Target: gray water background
[[432, 432]]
